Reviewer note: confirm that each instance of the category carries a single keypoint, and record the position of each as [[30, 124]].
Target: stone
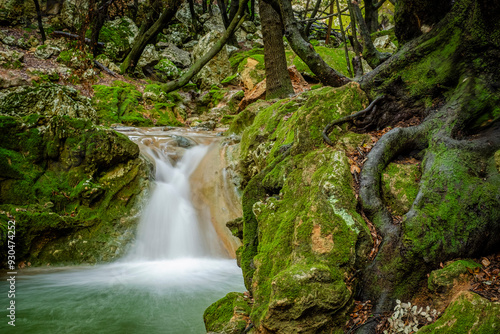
[[46, 99], [467, 313], [241, 35], [231, 49], [384, 42], [455, 272], [46, 51], [249, 27], [148, 56], [180, 58], [168, 69], [70, 16], [11, 57], [258, 43], [215, 24], [89, 74], [118, 35], [177, 34], [10, 79], [400, 186], [9, 40], [17, 12], [216, 69], [251, 74]]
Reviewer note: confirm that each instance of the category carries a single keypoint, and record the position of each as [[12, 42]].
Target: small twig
[[342, 120], [74, 36]]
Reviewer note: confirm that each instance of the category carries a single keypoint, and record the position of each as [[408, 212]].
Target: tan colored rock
[[251, 76]]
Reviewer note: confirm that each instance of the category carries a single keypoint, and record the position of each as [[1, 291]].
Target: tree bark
[[345, 41], [371, 14], [370, 53], [39, 19], [142, 40], [327, 75], [307, 30], [278, 83], [98, 21], [194, 17], [196, 67]]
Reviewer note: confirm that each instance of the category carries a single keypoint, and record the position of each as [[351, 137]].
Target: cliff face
[[71, 186]]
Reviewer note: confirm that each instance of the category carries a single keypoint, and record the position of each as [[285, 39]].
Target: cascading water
[[174, 271]]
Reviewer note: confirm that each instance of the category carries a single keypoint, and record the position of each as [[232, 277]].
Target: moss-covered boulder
[[468, 313], [302, 234], [72, 187], [228, 315], [442, 279], [400, 186], [46, 99], [335, 57], [118, 36]]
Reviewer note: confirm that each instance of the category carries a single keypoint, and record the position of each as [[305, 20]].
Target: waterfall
[[170, 227], [176, 268]]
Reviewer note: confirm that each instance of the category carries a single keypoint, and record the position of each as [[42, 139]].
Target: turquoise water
[[141, 297]]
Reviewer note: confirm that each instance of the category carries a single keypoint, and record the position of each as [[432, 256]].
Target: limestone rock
[[177, 34], [11, 57], [46, 51], [179, 57], [71, 11], [249, 27], [118, 35], [215, 24], [167, 69], [384, 42], [9, 79], [46, 99], [15, 12], [400, 186], [148, 56], [218, 68], [252, 73]]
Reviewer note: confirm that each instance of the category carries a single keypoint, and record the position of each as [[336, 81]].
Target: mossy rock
[[118, 36], [400, 186], [46, 99], [468, 313], [302, 233], [167, 70], [446, 277], [246, 117], [238, 57], [227, 315], [71, 186]]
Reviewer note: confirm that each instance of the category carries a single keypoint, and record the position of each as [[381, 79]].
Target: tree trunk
[[307, 30], [354, 41], [98, 21], [223, 11], [278, 83], [345, 41], [194, 17], [144, 39], [39, 18], [196, 67], [326, 74], [252, 10], [370, 53], [371, 14]]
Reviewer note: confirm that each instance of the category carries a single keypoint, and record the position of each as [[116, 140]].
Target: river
[[179, 264]]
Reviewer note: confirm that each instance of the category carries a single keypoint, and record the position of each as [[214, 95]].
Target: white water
[[174, 271], [170, 227]]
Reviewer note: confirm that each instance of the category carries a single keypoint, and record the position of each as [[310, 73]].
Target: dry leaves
[[487, 279]]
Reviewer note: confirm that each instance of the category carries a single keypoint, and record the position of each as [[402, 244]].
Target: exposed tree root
[[352, 117]]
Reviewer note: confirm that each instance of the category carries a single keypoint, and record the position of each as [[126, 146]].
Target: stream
[[179, 264]]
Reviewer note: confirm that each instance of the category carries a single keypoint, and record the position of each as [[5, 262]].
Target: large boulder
[[179, 57], [304, 239], [73, 13], [148, 56], [218, 68], [46, 99], [15, 12], [119, 36], [71, 186]]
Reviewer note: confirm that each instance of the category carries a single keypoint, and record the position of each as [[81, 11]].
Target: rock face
[[218, 68], [46, 99], [179, 57], [72, 187], [303, 238]]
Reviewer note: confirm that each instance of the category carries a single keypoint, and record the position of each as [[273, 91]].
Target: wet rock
[[184, 142], [228, 315]]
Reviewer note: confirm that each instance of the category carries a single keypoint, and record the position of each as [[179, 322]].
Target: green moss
[[446, 277], [228, 314], [237, 57], [400, 186], [334, 57], [469, 313]]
